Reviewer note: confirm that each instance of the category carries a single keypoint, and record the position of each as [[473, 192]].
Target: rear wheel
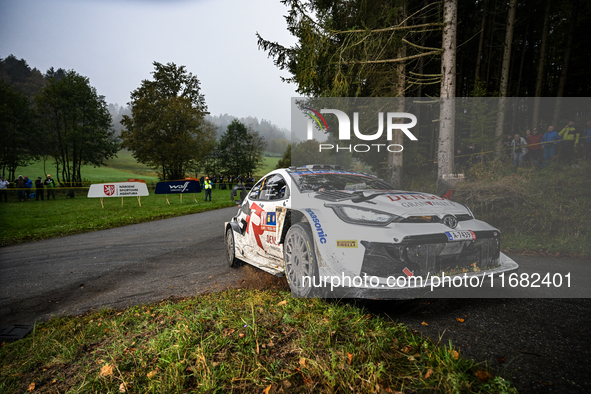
[[231, 248], [301, 268]]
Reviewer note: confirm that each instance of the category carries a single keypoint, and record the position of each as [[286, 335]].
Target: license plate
[[460, 235]]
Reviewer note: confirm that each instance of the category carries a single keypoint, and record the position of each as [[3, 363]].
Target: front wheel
[[231, 248], [301, 268]]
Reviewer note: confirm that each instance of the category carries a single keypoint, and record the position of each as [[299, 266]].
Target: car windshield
[[309, 181]]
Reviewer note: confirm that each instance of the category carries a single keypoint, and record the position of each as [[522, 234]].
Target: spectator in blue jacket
[[28, 185], [549, 142]]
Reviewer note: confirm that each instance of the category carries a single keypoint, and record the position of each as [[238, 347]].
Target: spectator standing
[[507, 145], [570, 139], [519, 146], [38, 189], [20, 186], [549, 143], [533, 146], [4, 189], [50, 186], [207, 186], [28, 186], [586, 141]]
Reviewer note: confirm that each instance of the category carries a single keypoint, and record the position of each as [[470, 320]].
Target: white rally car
[[329, 230]]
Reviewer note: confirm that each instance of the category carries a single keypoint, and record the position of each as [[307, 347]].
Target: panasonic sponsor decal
[[321, 234]]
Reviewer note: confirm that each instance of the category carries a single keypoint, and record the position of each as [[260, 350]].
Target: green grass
[[35, 220], [47, 219], [545, 211], [269, 164], [118, 169], [239, 341]]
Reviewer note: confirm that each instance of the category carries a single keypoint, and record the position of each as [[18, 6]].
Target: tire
[[231, 248], [300, 261]]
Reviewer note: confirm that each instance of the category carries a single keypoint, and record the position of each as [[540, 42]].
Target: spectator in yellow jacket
[[570, 139]]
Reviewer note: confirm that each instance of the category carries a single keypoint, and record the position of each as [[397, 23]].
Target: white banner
[[118, 189]]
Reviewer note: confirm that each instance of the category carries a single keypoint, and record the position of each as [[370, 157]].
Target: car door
[[275, 192], [261, 216]]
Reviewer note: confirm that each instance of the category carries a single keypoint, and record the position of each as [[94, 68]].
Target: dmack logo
[[345, 124]]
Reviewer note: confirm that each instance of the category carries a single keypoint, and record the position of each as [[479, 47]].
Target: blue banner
[[177, 187]]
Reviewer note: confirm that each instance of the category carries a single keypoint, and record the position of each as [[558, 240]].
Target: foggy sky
[[115, 42]]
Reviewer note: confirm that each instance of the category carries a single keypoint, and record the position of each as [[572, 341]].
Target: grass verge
[[238, 341], [544, 211], [36, 220]]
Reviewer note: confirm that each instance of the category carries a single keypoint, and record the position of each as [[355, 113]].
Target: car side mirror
[[243, 193]]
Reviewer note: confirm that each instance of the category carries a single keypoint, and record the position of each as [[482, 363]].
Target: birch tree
[[445, 155]]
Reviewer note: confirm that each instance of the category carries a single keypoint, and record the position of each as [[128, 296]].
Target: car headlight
[[469, 210], [364, 216]]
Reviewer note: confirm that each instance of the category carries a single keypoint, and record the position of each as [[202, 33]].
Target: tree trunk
[[480, 44], [564, 73], [505, 77], [395, 159], [489, 58], [445, 157], [540, 79]]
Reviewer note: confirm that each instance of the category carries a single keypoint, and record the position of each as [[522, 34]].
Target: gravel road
[[541, 344]]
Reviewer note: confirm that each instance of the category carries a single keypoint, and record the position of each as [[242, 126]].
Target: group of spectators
[[536, 148], [25, 190], [540, 149]]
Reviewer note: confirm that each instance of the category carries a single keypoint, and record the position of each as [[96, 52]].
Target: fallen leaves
[[425, 323], [302, 362], [349, 358], [460, 320], [483, 376], [428, 373], [150, 375], [106, 370], [266, 391], [31, 387], [282, 303]]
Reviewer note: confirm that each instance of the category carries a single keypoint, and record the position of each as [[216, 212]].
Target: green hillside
[[120, 168]]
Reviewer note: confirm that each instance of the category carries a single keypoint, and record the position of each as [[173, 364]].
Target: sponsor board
[[347, 244], [178, 187], [118, 189]]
